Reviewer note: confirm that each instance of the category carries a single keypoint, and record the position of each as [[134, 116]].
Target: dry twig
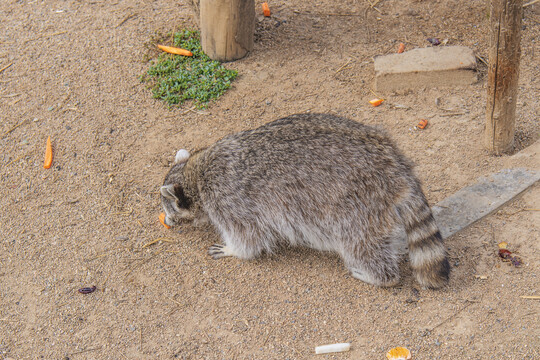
[[373, 92], [453, 315], [46, 36], [13, 161], [157, 240], [142, 263], [482, 60], [6, 67], [124, 213], [15, 127], [343, 66], [518, 211], [125, 19]]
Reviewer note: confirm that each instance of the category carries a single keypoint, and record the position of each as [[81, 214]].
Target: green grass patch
[[176, 78]]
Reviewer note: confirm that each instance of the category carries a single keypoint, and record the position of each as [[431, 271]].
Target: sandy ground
[[87, 221]]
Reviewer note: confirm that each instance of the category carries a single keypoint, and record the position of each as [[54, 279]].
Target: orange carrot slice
[[401, 48], [48, 154], [266, 9], [162, 220], [422, 124], [399, 353], [175, 50], [376, 102]]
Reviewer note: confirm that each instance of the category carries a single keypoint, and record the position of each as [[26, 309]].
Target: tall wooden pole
[[227, 28], [503, 74]]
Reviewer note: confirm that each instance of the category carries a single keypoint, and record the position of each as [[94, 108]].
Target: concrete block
[[474, 202], [441, 66]]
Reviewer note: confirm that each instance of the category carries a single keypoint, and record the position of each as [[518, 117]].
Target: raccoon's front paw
[[217, 251]]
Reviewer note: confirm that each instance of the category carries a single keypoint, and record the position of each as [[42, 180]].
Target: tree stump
[[227, 28], [503, 74]]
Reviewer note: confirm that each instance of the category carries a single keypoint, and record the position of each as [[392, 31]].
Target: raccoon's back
[[315, 161]]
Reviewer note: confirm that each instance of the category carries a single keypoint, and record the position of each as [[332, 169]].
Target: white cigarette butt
[[324, 349]]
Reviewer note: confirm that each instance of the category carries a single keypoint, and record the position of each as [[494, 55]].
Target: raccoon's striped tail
[[427, 252]]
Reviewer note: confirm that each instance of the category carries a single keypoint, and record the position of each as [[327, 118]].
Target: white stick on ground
[[324, 349]]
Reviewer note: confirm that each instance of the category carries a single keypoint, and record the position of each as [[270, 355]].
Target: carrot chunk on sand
[[175, 50], [48, 154], [422, 124], [398, 353], [376, 102], [162, 220], [266, 9]]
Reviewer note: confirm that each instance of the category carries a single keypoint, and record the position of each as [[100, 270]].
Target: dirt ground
[[91, 219]]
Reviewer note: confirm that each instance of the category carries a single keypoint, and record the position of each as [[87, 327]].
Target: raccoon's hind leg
[[376, 262]]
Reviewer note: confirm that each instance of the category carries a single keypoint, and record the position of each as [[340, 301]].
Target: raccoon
[[315, 180]]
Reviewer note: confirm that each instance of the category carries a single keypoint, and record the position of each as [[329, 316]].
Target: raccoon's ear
[[181, 156], [168, 192]]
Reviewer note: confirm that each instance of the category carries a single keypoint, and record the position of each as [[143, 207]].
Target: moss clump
[[175, 78]]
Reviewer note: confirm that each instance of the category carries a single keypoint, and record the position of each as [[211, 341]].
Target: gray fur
[[313, 180]]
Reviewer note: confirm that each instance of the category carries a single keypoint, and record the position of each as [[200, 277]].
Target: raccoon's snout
[[179, 216], [168, 221], [172, 221]]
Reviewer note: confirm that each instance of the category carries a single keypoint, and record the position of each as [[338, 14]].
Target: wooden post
[[503, 74], [227, 28]]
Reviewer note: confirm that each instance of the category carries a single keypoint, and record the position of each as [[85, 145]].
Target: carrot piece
[[175, 50], [398, 353], [48, 154], [266, 9], [422, 124], [376, 102], [401, 48], [162, 220]]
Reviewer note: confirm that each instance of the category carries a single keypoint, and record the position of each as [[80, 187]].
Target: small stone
[[434, 41]]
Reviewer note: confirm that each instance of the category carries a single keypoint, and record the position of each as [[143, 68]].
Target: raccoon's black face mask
[[175, 204], [173, 199]]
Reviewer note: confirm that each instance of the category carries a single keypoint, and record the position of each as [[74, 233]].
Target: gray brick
[[441, 66]]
